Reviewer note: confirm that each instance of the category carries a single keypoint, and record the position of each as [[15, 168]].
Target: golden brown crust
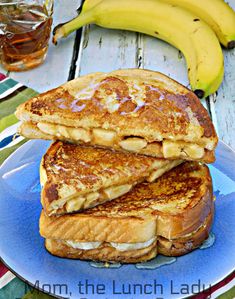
[[70, 172], [187, 187], [188, 182], [177, 203], [130, 102], [199, 205]]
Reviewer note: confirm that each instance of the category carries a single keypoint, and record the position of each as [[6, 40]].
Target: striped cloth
[[12, 94]]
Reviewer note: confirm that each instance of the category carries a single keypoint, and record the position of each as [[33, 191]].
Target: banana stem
[[64, 29]]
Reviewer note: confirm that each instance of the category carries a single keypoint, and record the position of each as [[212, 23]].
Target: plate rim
[[26, 144]]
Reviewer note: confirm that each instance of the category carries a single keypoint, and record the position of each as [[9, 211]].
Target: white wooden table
[[99, 49]]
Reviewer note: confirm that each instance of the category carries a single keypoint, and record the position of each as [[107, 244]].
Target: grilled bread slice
[[172, 215], [134, 253], [79, 177], [133, 110]]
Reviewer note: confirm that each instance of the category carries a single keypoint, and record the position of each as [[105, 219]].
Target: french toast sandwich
[[79, 177], [171, 216], [124, 178], [133, 110]]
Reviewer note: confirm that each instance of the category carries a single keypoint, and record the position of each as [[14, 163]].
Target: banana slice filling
[[166, 148], [93, 198], [90, 199]]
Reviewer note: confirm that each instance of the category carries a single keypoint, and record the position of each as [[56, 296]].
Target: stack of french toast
[[126, 176]]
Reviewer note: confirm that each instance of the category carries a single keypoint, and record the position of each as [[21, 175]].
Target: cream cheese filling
[[83, 245], [118, 246]]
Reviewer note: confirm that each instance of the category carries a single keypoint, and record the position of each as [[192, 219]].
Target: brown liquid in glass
[[26, 35]]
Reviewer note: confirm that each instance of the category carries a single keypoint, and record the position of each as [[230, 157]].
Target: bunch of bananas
[[195, 27]]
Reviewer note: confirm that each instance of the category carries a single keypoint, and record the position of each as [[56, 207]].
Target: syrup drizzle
[[105, 93]]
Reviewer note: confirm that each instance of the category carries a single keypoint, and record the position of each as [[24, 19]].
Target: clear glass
[[25, 28]]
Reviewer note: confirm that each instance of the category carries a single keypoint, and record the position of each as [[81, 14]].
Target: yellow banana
[[216, 13], [88, 4], [172, 24]]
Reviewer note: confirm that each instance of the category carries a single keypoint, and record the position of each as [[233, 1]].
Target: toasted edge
[[105, 229]]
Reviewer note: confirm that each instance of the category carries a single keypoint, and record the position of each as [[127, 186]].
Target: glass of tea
[[25, 28]]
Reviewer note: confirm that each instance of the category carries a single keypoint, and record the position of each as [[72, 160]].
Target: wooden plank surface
[[55, 70], [160, 56], [222, 105], [103, 50]]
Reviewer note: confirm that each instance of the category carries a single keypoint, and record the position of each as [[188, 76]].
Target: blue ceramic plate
[[22, 249]]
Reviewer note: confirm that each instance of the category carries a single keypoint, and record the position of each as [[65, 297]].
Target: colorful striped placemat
[[13, 93]]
